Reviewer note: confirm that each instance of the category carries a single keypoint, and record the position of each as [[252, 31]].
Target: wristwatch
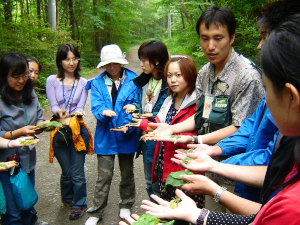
[[201, 217]]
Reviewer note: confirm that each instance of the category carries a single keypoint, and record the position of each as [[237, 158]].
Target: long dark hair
[[155, 51], [31, 58], [280, 57], [17, 64], [62, 54]]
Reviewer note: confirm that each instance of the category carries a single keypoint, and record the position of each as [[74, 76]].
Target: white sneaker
[[92, 221], [124, 212]]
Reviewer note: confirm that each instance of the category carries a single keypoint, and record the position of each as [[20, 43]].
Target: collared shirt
[[239, 79], [12, 118], [109, 82]]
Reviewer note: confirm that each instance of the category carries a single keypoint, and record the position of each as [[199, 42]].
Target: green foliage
[[151, 220], [32, 37], [174, 180], [91, 24]]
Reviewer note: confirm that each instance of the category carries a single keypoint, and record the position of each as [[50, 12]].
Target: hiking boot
[[77, 213]]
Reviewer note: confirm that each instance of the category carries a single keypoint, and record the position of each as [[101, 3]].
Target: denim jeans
[[13, 214], [72, 180], [151, 188]]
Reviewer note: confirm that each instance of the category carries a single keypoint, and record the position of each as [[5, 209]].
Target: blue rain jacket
[[255, 139], [108, 142]]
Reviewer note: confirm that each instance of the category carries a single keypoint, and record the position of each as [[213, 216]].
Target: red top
[[283, 208], [170, 148]]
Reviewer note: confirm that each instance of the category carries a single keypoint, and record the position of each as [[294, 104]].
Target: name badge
[[221, 103], [207, 105], [222, 87], [148, 107]]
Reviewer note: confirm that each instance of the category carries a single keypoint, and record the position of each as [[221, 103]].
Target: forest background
[[27, 26]]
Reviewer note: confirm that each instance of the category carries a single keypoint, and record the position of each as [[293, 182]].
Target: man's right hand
[[129, 108]]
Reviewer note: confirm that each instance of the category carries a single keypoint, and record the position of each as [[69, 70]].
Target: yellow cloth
[[77, 139]]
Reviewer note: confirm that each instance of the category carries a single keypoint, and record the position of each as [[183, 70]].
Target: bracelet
[[219, 193], [200, 139], [8, 143], [12, 136], [195, 139], [201, 217]]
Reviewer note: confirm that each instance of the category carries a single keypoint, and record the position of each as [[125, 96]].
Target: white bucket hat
[[111, 54]]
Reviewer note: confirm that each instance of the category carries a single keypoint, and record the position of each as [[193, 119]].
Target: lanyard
[[63, 86], [172, 107], [26, 118]]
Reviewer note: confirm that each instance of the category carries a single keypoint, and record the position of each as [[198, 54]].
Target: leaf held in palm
[[174, 180]]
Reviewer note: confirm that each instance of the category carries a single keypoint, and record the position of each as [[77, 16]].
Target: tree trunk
[[38, 9], [72, 18], [21, 7], [7, 10], [51, 13], [106, 26], [185, 12], [97, 45], [27, 6], [182, 20], [57, 12]]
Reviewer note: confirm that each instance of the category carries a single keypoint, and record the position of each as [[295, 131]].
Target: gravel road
[[49, 206]]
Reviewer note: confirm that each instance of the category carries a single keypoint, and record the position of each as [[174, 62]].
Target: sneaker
[[68, 204], [76, 213], [92, 221], [39, 222], [124, 212], [90, 210]]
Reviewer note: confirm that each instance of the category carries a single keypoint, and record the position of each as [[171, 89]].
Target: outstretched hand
[[185, 210], [199, 185], [7, 165], [202, 148], [183, 139], [123, 129], [108, 113], [129, 108], [202, 162]]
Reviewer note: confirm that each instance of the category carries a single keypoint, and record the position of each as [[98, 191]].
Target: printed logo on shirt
[[221, 102]]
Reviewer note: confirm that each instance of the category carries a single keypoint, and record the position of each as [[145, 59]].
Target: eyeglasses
[[23, 77], [71, 60]]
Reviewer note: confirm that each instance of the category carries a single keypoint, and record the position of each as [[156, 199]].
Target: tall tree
[[185, 12], [8, 10]]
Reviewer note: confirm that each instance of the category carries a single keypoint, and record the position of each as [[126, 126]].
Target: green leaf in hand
[[174, 180], [175, 136], [150, 220], [187, 159], [174, 202], [150, 128], [3, 165]]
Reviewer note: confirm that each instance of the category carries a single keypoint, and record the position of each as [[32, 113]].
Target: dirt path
[[49, 206]]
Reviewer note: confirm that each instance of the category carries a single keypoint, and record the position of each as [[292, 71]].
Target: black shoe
[[68, 204], [77, 213]]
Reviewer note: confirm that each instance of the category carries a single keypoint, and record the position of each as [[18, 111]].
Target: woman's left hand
[[142, 116], [7, 165], [18, 142], [123, 129], [38, 131], [186, 209]]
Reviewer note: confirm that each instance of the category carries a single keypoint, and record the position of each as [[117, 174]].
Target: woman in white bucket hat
[[110, 92]]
